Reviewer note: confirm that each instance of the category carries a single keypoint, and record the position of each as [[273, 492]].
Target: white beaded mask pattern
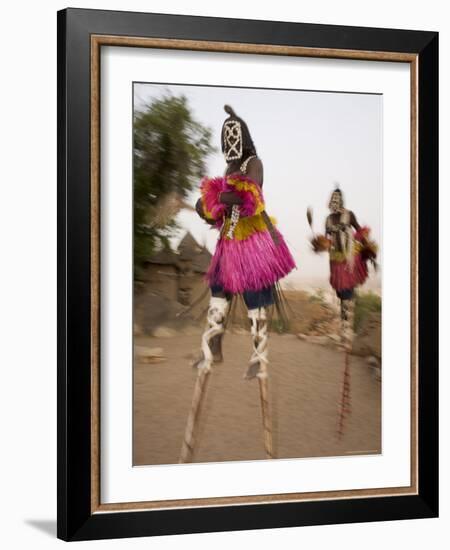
[[232, 140]]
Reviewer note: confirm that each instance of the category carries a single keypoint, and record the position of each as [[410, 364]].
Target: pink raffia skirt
[[254, 263]]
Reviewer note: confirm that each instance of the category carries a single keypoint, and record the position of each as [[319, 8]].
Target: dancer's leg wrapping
[[347, 336], [217, 312], [347, 322], [258, 367]]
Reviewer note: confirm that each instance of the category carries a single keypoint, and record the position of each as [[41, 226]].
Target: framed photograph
[[247, 257]]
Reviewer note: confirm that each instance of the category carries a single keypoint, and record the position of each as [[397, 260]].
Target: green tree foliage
[[169, 150]]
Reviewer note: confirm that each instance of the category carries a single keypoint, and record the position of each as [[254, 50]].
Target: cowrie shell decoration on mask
[[232, 140]]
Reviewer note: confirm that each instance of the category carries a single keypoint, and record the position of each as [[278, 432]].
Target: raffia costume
[[350, 248], [250, 258], [251, 254]]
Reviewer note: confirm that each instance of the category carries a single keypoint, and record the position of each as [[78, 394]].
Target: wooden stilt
[[217, 312], [201, 384], [347, 316], [266, 414], [345, 400], [258, 367]]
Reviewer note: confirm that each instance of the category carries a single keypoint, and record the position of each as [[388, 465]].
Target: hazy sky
[[308, 141]]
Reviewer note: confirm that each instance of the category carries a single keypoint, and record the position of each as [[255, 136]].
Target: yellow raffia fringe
[[240, 186], [247, 226], [337, 256], [251, 188], [358, 247], [207, 213]]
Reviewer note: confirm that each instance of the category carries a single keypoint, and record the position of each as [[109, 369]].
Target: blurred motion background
[[309, 142]]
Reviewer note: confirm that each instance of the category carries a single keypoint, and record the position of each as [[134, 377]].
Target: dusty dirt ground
[[305, 382]]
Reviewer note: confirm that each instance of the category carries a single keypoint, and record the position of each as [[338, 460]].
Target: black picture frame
[[76, 521]]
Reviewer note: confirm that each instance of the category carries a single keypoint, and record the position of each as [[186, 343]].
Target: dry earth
[[305, 383]]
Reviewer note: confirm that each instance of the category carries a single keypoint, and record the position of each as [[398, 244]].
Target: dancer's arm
[[361, 232], [230, 198], [321, 243], [370, 247], [328, 225], [200, 212], [255, 172], [354, 221]]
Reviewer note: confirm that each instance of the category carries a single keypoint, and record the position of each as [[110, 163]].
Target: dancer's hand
[[320, 243], [230, 198], [199, 210]]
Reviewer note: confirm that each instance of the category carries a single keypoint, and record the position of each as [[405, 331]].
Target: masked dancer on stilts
[[350, 249], [251, 256]]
